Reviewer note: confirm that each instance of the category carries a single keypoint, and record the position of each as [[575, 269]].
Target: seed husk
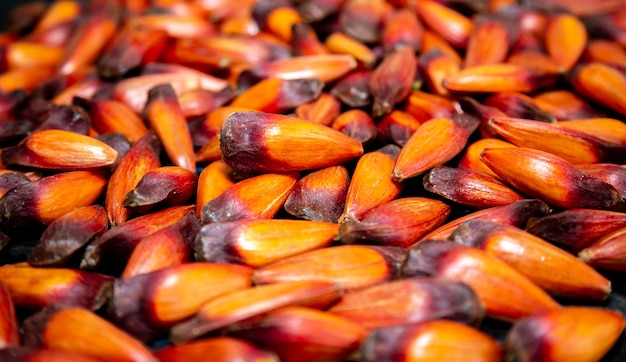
[[258, 242], [320, 195], [50, 197], [61, 58], [434, 143], [362, 19], [489, 41], [324, 68], [610, 173], [294, 334], [64, 117], [397, 127], [305, 41], [323, 110], [370, 189], [10, 179], [605, 51], [258, 197], [357, 124], [165, 117], [516, 214], [550, 178], [601, 83], [469, 187], [148, 304], [88, 40], [518, 105], [565, 39], [425, 106], [213, 180], [574, 146], [11, 131], [68, 234], [431, 340], [436, 66], [162, 187], [499, 78], [492, 280], [565, 105], [274, 95], [239, 306], [167, 247], [553, 269], [533, 57], [134, 91], [448, 23], [350, 267], [353, 89], [113, 248], [60, 150], [9, 326], [81, 331], [341, 43], [608, 129], [109, 116], [218, 349], [130, 49], [35, 288], [184, 26], [432, 40], [22, 54], [24, 78], [142, 157], [411, 300], [392, 80], [282, 144], [403, 29], [471, 158], [575, 229], [484, 113], [548, 336], [399, 222], [606, 253]]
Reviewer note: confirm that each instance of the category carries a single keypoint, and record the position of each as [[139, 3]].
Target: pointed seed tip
[[397, 176], [585, 255]]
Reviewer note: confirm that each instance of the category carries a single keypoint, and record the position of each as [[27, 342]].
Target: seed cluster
[[312, 180]]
